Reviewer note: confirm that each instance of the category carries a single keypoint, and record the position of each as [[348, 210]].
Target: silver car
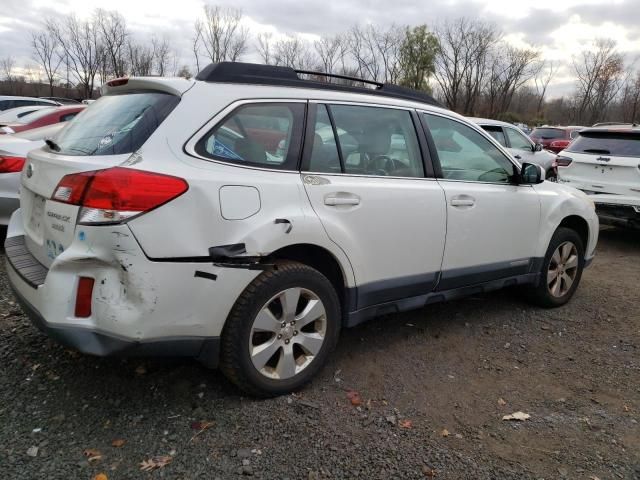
[[13, 150], [520, 145]]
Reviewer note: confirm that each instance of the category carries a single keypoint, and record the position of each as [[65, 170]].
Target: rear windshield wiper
[[52, 145], [597, 150]]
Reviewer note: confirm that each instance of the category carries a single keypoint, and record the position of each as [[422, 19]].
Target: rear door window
[[116, 124], [372, 141], [618, 144], [262, 135]]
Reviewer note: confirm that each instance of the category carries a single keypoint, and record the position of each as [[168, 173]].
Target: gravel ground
[[457, 367]]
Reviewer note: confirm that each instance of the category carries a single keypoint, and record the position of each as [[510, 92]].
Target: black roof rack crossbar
[[341, 77], [257, 74]]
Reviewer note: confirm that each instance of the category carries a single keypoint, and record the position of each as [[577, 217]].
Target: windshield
[[116, 124], [548, 133], [619, 144]]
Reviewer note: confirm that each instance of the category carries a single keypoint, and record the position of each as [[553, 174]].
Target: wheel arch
[[325, 262], [579, 225]]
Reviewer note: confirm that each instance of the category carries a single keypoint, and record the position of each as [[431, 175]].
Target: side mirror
[[531, 174], [537, 147]]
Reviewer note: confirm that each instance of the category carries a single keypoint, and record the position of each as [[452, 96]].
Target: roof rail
[[257, 74]]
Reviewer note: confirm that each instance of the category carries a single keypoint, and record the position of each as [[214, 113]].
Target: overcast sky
[[560, 28]]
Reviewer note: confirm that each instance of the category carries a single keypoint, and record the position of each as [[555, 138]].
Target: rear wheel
[[561, 269], [281, 330]]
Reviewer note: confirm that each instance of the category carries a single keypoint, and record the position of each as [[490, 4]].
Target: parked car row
[[8, 102], [23, 129], [13, 153], [605, 163], [520, 145], [42, 117], [246, 216]]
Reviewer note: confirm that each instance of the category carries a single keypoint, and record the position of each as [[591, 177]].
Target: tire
[[551, 176], [549, 293], [250, 338]]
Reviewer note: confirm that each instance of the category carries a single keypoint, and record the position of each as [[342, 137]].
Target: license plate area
[[49, 226], [33, 206]]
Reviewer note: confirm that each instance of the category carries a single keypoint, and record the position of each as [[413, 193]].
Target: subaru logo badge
[[30, 170]]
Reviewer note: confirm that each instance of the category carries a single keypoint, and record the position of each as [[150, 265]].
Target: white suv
[[245, 217], [605, 163]]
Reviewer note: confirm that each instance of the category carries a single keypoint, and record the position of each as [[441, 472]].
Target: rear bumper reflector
[[83, 297]]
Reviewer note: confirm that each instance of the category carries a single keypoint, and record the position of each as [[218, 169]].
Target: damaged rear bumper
[[95, 342], [138, 306]]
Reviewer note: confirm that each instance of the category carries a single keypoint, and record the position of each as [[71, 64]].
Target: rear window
[[548, 133], [261, 135], [20, 115], [36, 114], [618, 144], [116, 124]]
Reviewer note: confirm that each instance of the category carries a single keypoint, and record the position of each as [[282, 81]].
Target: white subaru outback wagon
[[245, 217]]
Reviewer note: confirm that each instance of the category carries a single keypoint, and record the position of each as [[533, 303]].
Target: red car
[[41, 118], [555, 139]]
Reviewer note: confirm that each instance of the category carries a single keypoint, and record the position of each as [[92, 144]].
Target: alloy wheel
[[563, 268], [288, 333]]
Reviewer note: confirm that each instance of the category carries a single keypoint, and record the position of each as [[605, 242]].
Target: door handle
[[463, 201], [517, 157], [335, 201]]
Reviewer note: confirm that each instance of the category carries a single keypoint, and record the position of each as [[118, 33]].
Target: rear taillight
[[117, 194], [559, 143], [11, 164], [562, 161], [83, 297]]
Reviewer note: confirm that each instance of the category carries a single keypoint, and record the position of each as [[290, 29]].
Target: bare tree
[[80, 41], [112, 27], [265, 47], [510, 69], [46, 53], [462, 60], [140, 58], [195, 43], [161, 55], [630, 101], [599, 72], [376, 51], [543, 83], [7, 65], [331, 52], [221, 34], [292, 52]]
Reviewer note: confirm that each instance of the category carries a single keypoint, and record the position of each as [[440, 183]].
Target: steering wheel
[[381, 165]]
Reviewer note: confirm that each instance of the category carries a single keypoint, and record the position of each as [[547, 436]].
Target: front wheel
[[281, 330], [561, 270]]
